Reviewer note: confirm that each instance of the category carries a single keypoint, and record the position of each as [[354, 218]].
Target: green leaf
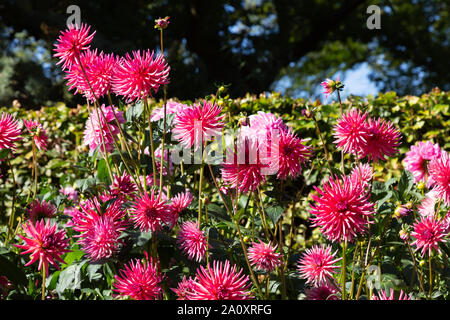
[[12, 271], [72, 256], [93, 271], [405, 183], [102, 171], [70, 277], [274, 213]]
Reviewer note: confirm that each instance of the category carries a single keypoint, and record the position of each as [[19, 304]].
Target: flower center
[[151, 213], [222, 292], [427, 234], [342, 206]]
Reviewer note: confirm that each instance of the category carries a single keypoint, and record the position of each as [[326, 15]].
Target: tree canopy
[[249, 44]]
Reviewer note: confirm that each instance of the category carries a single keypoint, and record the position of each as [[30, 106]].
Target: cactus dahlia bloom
[[383, 295], [192, 241], [220, 282], [150, 212], [123, 186], [439, 169], [263, 123], [362, 174], [71, 43], [428, 232], [317, 265], [97, 128], [178, 203], [99, 231], [417, 158], [323, 292], [382, 140], [351, 131], [41, 209], [264, 256], [342, 209], [287, 154], [9, 131], [45, 243], [139, 280], [39, 134], [138, 76], [184, 287], [197, 124]]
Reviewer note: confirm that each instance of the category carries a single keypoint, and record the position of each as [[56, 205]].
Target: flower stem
[[431, 276], [344, 269], [35, 168], [323, 144], [13, 211], [43, 281], [152, 146]]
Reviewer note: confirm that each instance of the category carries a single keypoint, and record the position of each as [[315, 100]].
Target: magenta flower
[[123, 186], [184, 288], [41, 209], [162, 23], [317, 265], [383, 295], [150, 212], [362, 174], [140, 280], [264, 256], [220, 282], [382, 140], [45, 243], [38, 133], [288, 154], [178, 203], [138, 76], [351, 131], [428, 232], [342, 209], [197, 124], [99, 231], [192, 241], [439, 169], [9, 131], [71, 43], [97, 128], [70, 193], [323, 292], [75, 77], [416, 160]]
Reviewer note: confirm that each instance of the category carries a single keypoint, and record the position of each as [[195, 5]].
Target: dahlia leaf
[[405, 183], [275, 213]]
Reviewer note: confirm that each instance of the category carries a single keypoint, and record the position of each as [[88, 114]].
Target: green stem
[[323, 144], [431, 276], [13, 211], [344, 269], [43, 281], [152, 146]]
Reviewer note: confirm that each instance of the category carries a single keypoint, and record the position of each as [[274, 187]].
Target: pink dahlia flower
[[197, 124], [138, 76], [220, 282], [416, 160], [362, 174], [139, 280], [317, 265], [383, 295], [71, 43], [39, 134], [150, 212], [342, 209], [123, 186], [427, 206], [382, 140], [323, 292], [264, 256], [96, 128], [171, 108], [70, 193], [439, 169], [192, 241], [99, 231], [263, 123], [351, 131], [95, 81], [428, 232], [9, 131], [178, 203], [329, 86], [288, 154], [41, 209], [184, 288], [45, 243]]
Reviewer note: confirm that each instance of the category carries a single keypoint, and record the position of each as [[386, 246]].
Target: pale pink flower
[[45, 243], [9, 131], [140, 280], [97, 128], [342, 209], [70, 193], [362, 174], [220, 282], [439, 169], [71, 42], [38, 133], [263, 123], [264, 256], [197, 124], [171, 108], [192, 241], [138, 76], [429, 232], [427, 206], [417, 158], [318, 265]]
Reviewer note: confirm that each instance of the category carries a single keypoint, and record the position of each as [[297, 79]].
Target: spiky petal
[[429, 232], [350, 131], [192, 241], [264, 256], [38, 133], [439, 169], [383, 295], [150, 212], [40, 209], [317, 265], [9, 131], [417, 158]]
